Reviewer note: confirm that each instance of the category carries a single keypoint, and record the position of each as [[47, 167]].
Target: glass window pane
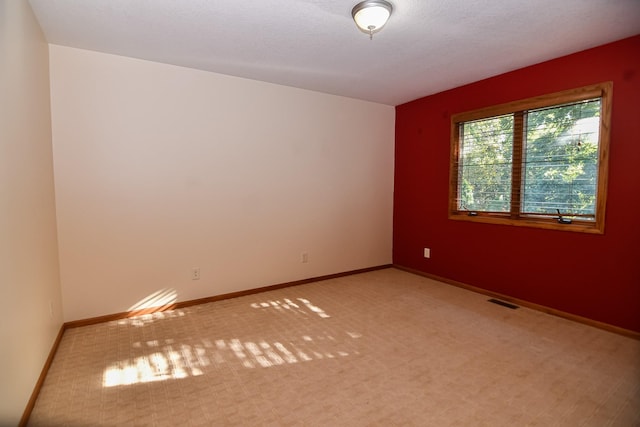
[[485, 164], [561, 159]]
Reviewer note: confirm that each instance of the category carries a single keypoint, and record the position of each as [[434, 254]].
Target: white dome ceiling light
[[371, 15]]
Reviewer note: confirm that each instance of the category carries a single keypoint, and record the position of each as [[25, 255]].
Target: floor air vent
[[504, 304]]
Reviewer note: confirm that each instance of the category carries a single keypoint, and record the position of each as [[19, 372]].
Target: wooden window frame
[[518, 109]]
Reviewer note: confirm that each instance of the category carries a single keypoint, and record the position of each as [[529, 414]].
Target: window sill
[[590, 227]]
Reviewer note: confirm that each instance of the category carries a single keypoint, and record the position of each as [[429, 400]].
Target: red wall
[[594, 276]]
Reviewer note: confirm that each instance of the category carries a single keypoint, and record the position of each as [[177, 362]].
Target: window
[[539, 162]]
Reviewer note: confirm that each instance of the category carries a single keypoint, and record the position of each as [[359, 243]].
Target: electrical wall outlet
[[427, 253], [195, 273], [304, 257]]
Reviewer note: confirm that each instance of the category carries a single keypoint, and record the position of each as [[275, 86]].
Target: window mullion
[[516, 172]]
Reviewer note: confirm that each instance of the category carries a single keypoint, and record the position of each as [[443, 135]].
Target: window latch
[[562, 220]]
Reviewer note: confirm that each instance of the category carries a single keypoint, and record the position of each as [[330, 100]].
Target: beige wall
[[159, 169], [29, 279]]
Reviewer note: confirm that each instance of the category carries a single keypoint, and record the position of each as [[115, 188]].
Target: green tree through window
[[486, 163], [539, 162], [561, 159]]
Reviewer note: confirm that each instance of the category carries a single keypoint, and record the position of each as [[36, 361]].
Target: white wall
[[159, 169], [29, 279]]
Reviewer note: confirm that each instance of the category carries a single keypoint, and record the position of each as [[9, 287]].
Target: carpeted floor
[[384, 348]]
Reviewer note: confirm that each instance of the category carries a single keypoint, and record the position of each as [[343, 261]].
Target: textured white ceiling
[[426, 47]]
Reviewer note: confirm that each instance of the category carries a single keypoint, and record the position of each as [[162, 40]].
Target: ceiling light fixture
[[371, 15]]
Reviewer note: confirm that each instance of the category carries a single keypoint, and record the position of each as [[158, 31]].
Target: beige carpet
[[385, 348]]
